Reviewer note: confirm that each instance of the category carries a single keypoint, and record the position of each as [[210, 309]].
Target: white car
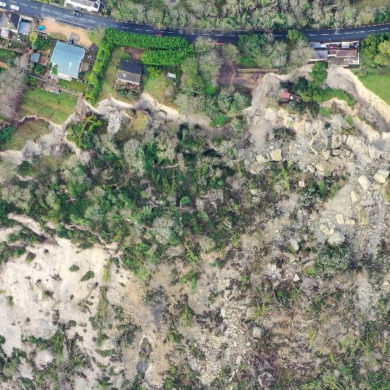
[[14, 7], [2, 4]]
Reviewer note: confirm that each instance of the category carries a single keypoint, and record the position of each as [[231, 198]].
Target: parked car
[[14, 7], [77, 13], [2, 4], [41, 28]]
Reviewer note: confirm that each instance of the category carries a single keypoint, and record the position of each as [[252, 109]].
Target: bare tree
[[12, 84]]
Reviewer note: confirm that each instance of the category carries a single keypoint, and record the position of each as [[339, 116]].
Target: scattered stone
[[381, 176], [301, 183], [364, 182], [255, 168], [336, 239], [294, 245], [336, 141], [350, 222], [296, 278], [260, 158], [362, 216], [336, 152], [326, 154], [276, 155], [257, 333], [340, 219], [310, 168], [320, 168], [354, 197], [326, 230]]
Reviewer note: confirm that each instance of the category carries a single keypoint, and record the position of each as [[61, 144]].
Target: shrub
[[331, 259]]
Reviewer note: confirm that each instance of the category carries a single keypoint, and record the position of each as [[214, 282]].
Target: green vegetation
[[332, 259], [7, 55], [73, 85], [29, 130], [156, 83], [56, 108], [378, 81], [266, 14], [6, 134], [82, 135]]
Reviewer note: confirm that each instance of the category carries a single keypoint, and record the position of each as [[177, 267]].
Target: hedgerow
[[162, 51]]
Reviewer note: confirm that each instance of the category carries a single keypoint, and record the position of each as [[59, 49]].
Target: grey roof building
[[10, 21], [67, 59], [129, 72]]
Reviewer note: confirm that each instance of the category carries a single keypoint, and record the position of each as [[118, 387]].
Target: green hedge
[[141, 41], [166, 57], [163, 51]]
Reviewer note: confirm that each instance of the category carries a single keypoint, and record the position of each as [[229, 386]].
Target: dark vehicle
[[77, 13]]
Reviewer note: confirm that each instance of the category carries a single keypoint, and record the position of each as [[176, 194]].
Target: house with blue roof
[[66, 60]]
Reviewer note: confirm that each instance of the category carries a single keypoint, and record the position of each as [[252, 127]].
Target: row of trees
[[233, 14], [264, 51]]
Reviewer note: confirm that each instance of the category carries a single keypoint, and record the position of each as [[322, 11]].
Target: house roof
[[24, 27], [130, 72], [35, 57], [343, 53], [67, 58], [9, 21]]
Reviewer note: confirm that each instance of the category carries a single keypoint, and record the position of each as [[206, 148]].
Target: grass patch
[[139, 122], [108, 87], [377, 82], [74, 85], [156, 83], [56, 108], [29, 130]]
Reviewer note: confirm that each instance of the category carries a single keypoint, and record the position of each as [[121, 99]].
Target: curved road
[[92, 21]]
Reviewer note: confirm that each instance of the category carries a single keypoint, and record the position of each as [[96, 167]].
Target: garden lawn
[[29, 130], [108, 87], [55, 108], [378, 83]]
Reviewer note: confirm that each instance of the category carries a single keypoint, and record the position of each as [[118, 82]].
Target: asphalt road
[[91, 21]]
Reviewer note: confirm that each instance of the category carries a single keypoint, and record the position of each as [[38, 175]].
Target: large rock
[[276, 155], [336, 239], [364, 182], [381, 176]]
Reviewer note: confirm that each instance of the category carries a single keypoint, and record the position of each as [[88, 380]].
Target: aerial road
[[93, 21]]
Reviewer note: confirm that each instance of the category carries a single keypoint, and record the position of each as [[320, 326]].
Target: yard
[[378, 83], [108, 88], [56, 108], [29, 130]]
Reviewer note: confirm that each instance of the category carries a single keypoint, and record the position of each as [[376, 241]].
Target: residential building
[[129, 73], [87, 5], [67, 60], [9, 23], [339, 53]]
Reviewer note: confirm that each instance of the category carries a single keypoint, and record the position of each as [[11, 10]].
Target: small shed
[[34, 58], [129, 73]]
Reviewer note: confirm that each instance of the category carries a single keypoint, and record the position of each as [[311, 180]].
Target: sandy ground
[[53, 27]]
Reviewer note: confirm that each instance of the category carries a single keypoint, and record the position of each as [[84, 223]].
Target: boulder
[[354, 197], [257, 333], [381, 176], [276, 155], [336, 239], [364, 182], [340, 219], [294, 246]]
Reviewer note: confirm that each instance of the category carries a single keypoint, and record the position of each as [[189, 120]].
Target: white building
[[88, 5]]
